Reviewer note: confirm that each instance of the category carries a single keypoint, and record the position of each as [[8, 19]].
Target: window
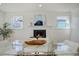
[[63, 23], [17, 22]]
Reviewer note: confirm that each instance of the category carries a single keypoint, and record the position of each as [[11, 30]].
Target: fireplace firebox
[[41, 33]]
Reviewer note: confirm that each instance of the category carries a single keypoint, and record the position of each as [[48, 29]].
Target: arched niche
[[39, 20]]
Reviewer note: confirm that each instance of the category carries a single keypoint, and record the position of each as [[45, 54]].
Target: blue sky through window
[[61, 24]]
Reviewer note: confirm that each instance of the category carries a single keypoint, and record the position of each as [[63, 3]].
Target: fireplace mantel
[[41, 27]]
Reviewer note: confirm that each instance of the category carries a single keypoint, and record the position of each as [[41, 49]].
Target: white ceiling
[[19, 7]]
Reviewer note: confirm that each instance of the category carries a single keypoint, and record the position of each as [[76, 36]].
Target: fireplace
[[41, 33]]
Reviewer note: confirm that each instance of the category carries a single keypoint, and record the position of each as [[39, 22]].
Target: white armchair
[[67, 47], [17, 46]]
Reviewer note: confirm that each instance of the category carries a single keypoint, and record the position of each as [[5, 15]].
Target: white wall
[[27, 31], [54, 35], [75, 26], [1, 20]]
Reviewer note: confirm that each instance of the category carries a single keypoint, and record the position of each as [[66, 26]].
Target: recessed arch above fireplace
[[38, 23], [39, 20]]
